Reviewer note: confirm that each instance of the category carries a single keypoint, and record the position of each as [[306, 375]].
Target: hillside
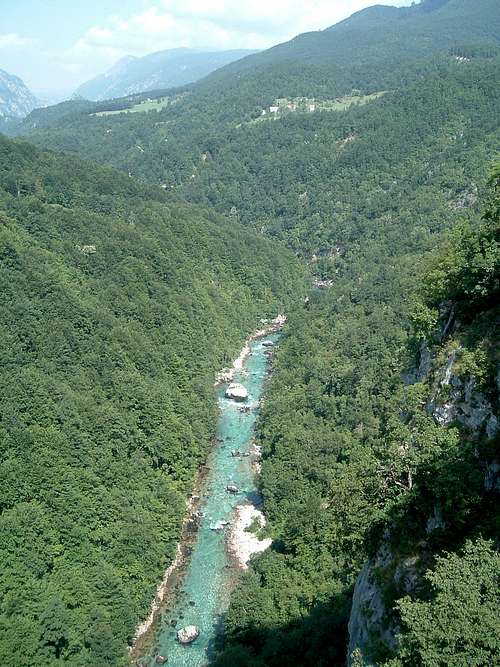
[[312, 179], [118, 305], [16, 100], [380, 473], [373, 37], [164, 69], [188, 146]]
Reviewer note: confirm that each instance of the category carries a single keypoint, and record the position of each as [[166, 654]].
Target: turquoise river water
[[210, 576]]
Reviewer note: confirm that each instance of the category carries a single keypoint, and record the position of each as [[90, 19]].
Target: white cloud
[[209, 24], [12, 40], [279, 17]]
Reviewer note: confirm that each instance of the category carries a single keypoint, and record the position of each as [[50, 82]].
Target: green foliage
[[319, 181], [458, 625], [423, 320], [468, 271], [118, 306], [348, 450]]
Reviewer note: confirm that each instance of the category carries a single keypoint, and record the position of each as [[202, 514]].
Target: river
[[211, 572]]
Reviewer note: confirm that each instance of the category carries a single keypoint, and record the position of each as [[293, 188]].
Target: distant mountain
[[163, 69], [16, 99]]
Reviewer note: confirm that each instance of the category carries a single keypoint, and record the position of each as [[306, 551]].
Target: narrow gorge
[[222, 525]]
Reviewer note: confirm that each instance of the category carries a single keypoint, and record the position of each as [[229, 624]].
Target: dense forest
[[118, 308], [379, 429], [353, 453]]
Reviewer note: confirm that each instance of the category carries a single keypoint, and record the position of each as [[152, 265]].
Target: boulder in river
[[236, 392], [232, 488], [161, 659], [188, 634], [268, 343], [219, 525]]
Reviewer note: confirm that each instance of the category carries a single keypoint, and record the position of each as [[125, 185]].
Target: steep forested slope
[[440, 579], [118, 307], [373, 49], [364, 459]]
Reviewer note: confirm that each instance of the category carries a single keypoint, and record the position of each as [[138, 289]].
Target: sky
[[55, 45]]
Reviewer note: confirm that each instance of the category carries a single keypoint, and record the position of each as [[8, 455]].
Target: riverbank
[[172, 577], [227, 374]]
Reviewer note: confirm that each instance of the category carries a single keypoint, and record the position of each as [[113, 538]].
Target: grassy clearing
[[307, 105], [141, 107]]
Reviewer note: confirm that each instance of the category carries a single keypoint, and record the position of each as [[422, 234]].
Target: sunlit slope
[[118, 307]]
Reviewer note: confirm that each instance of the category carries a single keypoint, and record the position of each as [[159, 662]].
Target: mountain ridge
[[162, 69], [16, 100]]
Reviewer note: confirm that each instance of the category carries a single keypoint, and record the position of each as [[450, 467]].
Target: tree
[[54, 622], [458, 625]]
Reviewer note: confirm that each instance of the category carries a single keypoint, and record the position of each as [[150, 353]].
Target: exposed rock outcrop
[[454, 397], [371, 618], [492, 477], [188, 634], [458, 399], [368, 610], [236, 392]]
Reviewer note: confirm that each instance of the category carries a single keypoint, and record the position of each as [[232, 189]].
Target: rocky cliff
[[456, 398]]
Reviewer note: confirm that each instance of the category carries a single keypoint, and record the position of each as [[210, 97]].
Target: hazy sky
[[54, 45]]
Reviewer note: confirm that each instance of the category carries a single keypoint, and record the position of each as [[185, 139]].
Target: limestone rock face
[[464, 403], [492, 477], [368, 610], [236, 392], [188, 634]]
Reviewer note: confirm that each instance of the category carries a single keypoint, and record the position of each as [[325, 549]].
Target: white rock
[[236, 392], [219, 525], [188, 634], [242, 544]]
